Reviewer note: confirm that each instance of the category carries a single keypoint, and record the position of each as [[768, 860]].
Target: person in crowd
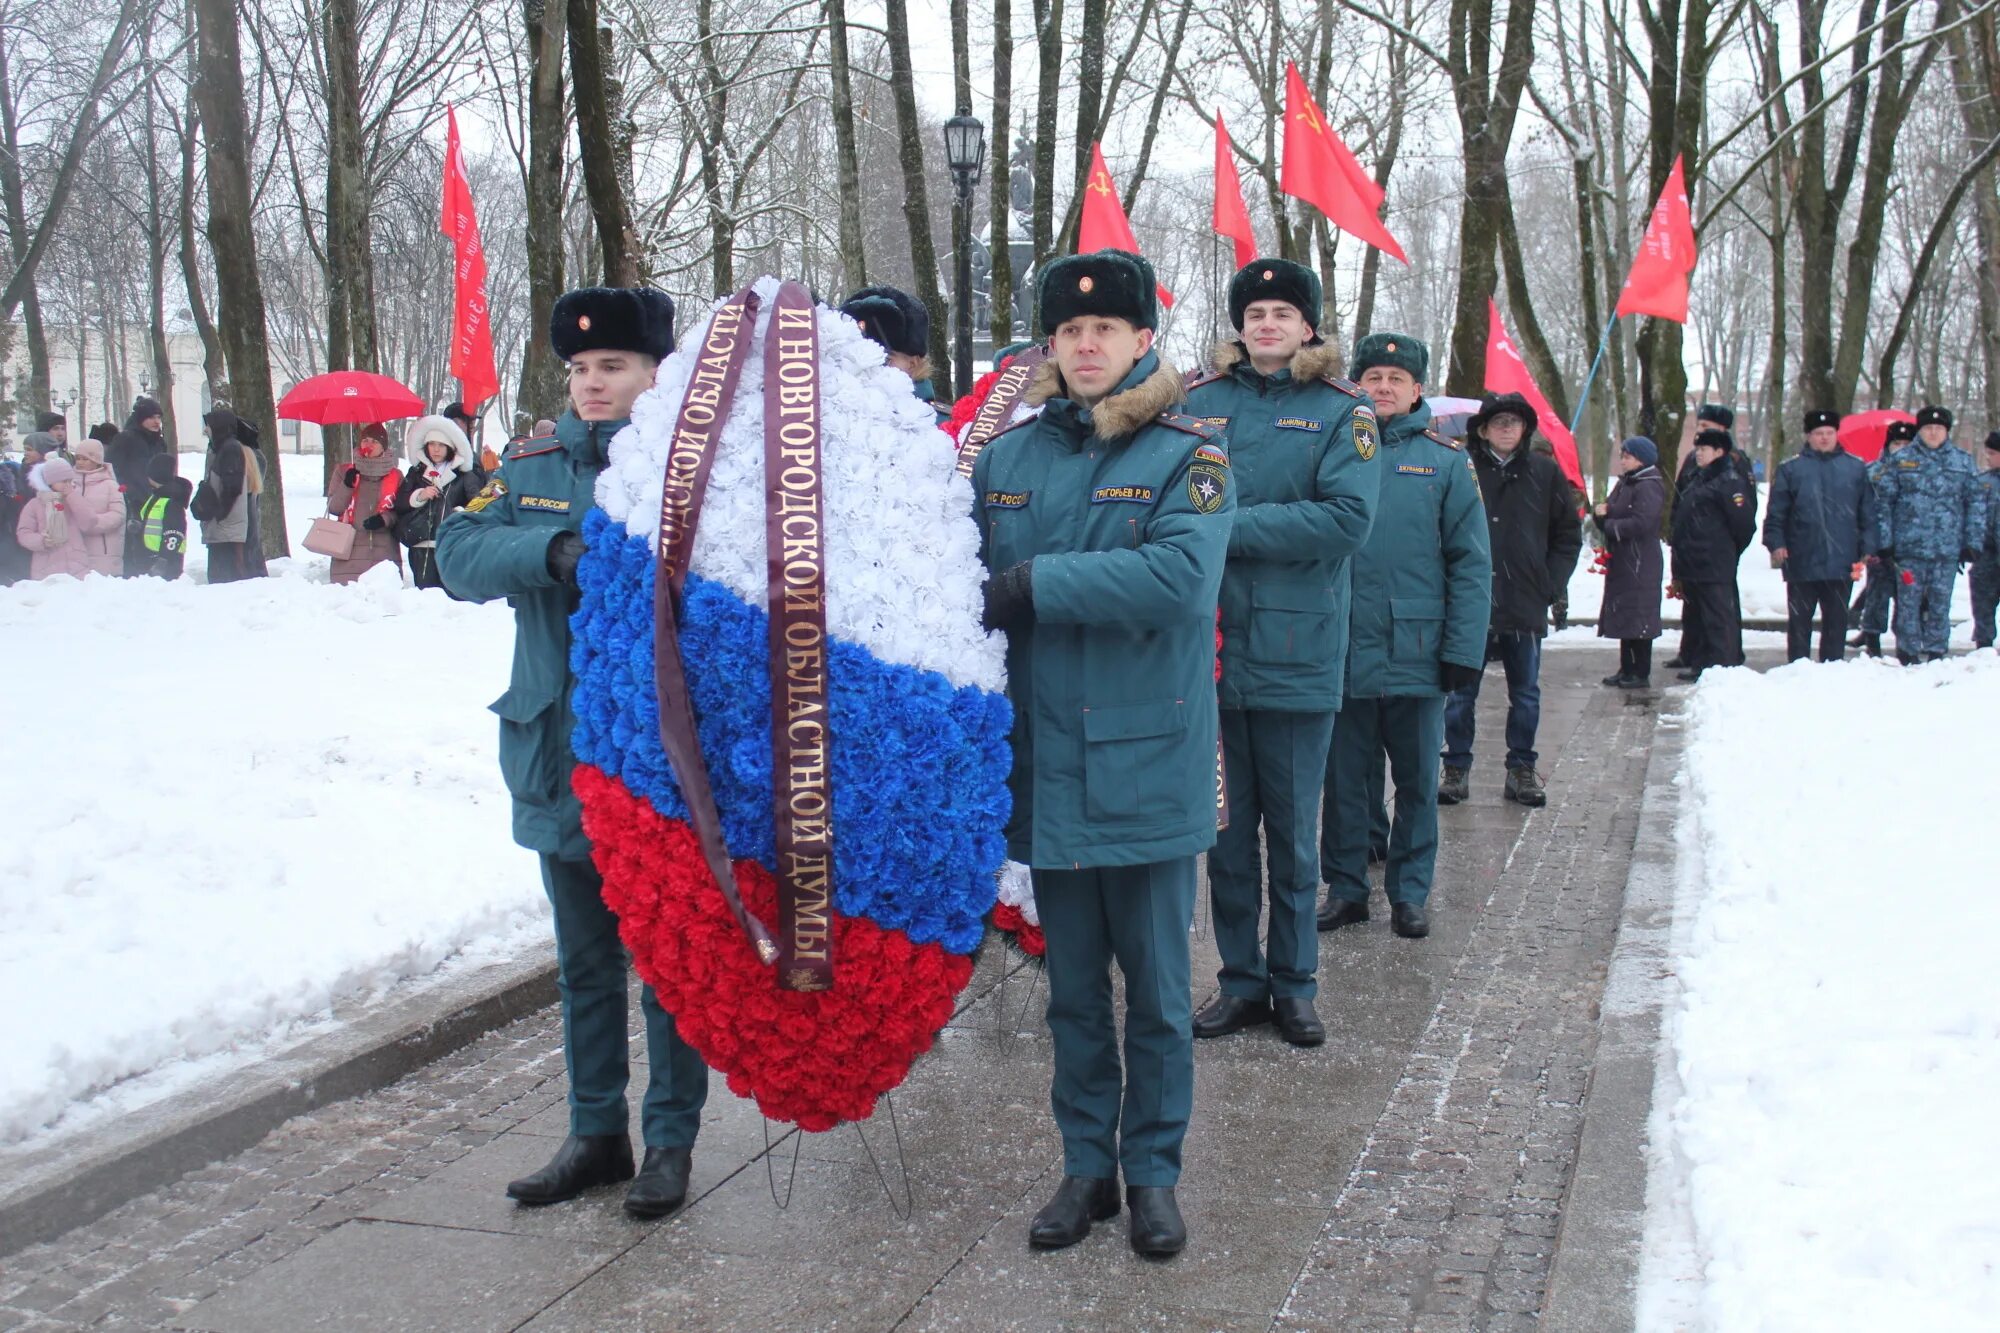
[[226, 499], [15, 493], [441, 479], [97, 510], [1714, 520], [1930, 512], [363, 496], [142, 440], [1629, 518], [1534, 535], [898, 321], [1871, 609], [1302, 453], [156, 534], [1821, 520], [1104, 524], [48, 529], [1707, 417], [1986, 567], [1422, 599], [543, 428], [50, 437], [521, 539]]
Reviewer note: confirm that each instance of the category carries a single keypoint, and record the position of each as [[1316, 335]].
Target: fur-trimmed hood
[[1122, 413], [1314, 361], [425, 429]]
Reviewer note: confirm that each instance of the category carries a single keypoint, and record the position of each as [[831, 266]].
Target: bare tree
[[916, 200]]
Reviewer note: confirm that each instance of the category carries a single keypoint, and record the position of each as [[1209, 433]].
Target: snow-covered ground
[[234, 808], [1830, 1160]]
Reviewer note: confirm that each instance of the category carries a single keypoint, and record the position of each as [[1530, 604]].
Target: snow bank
[[1838, 1037], [235, 807]]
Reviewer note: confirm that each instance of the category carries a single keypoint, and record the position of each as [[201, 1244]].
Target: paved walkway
[[1409, 1174]]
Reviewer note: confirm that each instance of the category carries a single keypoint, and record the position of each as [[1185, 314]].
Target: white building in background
[[86, 392]]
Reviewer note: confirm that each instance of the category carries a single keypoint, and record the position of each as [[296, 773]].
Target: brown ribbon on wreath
[[690, 456], [801, 706], [999, 405]]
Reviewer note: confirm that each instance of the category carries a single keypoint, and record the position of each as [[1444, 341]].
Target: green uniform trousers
[[1411, 729], [1110, 1119], [1275, 764], [591, 977]]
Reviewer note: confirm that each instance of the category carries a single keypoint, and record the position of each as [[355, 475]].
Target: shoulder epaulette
[[1348, 387], [541, 444], [1446, 441], [1195, 379], [1194, 426]]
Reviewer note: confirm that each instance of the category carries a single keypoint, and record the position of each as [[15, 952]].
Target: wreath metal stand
[[902, 1210], [1005, 1029]]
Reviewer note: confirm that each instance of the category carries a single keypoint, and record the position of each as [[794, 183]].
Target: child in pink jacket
[[48, 530]]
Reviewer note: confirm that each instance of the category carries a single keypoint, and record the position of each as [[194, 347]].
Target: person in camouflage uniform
[[1986, 544], [1930, 504], [1871, 611]]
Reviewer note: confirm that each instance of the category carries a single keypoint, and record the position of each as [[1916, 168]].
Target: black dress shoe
[[1635, 682], [1230, 1013], [1676, 661], [1616, 678], [1690, 676], [1297, 1023], [584, 1162], [1157, 1229], [1066, 1219], [662, 1183], [1409, 920], [1337, 912]]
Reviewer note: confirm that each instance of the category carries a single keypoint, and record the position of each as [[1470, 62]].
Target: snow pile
[[235, 807], [1838, 1038]]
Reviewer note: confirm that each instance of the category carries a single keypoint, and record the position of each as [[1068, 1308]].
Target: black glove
[[1888, 553], [1559, 614], [374, 523], [351, 478], [1455, 677], [564, 552], [1010, 597]]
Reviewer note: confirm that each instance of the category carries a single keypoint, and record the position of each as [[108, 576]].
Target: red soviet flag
[[1231, 218], [471, 330], [1319, 169], [1658, 282], [1507, 372], [1103, 225]]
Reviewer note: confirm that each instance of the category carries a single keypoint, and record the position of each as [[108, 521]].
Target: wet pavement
[[1411, 1173]]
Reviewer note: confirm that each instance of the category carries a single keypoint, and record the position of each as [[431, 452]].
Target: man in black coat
[[1715, 517], [1820, 521], [1533, 530]]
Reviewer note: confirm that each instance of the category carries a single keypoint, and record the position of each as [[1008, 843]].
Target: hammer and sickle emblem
[[1100, 182]]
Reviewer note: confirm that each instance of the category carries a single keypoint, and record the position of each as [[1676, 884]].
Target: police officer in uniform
[[1104, 522], [1930, 504], [1820, 521], [519, 539], [1877, 594], [899, 322], [1302, 448], [1715, 516], [1423, 594], [1986, 541]]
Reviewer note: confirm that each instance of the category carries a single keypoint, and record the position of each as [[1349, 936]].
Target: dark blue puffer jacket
[[1822, 514]]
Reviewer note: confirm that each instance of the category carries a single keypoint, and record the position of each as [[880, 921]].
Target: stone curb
[[48, 1191], [1593, 1284]]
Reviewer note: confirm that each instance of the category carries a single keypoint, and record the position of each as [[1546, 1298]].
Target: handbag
[[330, 537]]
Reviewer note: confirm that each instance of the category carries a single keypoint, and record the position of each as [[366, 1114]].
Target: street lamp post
[[965, 153]]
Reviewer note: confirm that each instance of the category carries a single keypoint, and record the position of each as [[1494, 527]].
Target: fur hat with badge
[[423, 430], [1398, 351], [1714, 439], [1275, 280], [1816, 420], [891, 317], [1114, 283], [1933, 416], [612, 319], [1715, 414]]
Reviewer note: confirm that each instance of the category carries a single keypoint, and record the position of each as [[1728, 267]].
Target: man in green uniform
[[519, 539], [1423, 592], [1104, 523], [1302, 455]]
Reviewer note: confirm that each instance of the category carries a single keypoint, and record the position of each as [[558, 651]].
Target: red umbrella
[[349, 397], [1864, 433]]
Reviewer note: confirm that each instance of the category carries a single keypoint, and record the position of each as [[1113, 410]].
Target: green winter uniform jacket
[[1423, 585], [498, 546], [1302, 455], [1125, 512]]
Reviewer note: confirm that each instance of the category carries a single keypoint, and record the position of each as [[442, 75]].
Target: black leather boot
[[1297, 1022], [1409, 920], [582, 1163], [1066, 1219], [662, 1183], [1230, 1013], [1337, 912], [1157, 1229]]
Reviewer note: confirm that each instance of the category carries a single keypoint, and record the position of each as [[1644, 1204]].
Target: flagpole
[[1583, 400]]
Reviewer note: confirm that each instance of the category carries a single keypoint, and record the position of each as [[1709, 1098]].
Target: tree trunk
[[1520, 304], [721, 218], [598, 139], [916, 198], [1821, 196], [219, 92], [1089, 88], [156, 280], [214, 365], [38, 394], [350, 264], [1385, 162], [853, 245], [543, 22], [1171, 58], [1048, 29], [1976, 72], [999, 155]]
